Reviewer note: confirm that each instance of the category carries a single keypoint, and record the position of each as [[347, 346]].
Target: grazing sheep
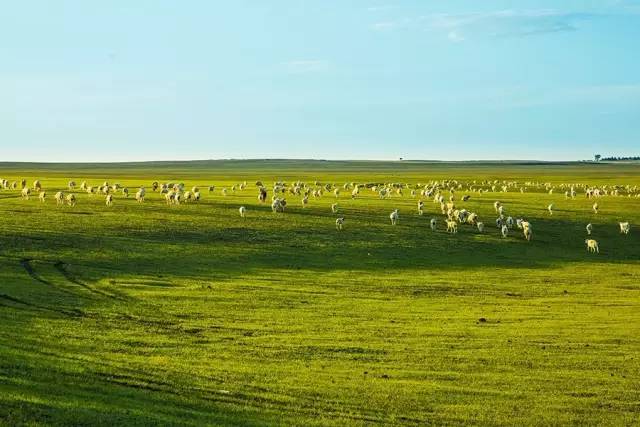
[[140, 195], [37, 186], [592, 245], [334, 208], [624, 227], [169, 196], [125, 191], [589, 228], [109, 200], [243, 211], [466, 197], [472, 219], [452, 226], [196, 196], [394, 217], [550, 209], [42, 196], [336, 192], [224, 191], [420, 207], [278, 205], [339, 223], [499, 222], [433, 224], [59, 198], [262, 196], [595, 207], [496, 205], [505, 231], [23, 184], [480, 226], [26, 191], [509, 222], [71, 200], [211, 188], [305, 201], [71, 185], [154, 186], [527, 233]]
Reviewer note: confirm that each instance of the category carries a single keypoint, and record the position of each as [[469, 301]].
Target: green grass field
[[190, 315]]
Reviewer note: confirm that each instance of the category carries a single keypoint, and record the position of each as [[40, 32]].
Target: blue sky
[[147, 80]]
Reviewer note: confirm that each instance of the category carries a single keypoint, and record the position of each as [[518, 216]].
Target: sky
[[328, 79]]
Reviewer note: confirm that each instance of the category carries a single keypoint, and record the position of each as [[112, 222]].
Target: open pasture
[[152, 313]]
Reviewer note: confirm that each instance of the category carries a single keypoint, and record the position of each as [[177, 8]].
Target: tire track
[[60, 266], [26, 264], [68, 313]]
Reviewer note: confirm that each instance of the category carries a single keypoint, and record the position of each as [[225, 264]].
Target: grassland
[[190, 315]]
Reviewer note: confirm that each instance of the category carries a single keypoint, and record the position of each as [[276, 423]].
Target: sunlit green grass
[[156, 314]]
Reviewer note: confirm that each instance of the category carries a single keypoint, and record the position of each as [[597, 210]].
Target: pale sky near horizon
[[455, 80]]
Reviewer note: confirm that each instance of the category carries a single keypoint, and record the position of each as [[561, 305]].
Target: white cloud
[[455, 37], [383, 26], [497, 23]]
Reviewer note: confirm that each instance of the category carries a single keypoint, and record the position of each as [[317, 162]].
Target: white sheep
[[420, 207], [452, 226], [26, 191], [595, 207], [37, 186], [125, 191], [278, 205], [589, 228], [109, 200], [339, 223], [394, 217], [505, 231], [42, 196], [527, 233], [334, 208], [480, 226], [196, 196], [140, 195], [243, 211], [592, 245], [433, 224], [71, 185], [550, 209], [71, 200], [59, 198], [624, 227]]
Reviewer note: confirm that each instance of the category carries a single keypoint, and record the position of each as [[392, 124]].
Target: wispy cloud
[[499, 23], [306, 65], [379, 8], [504, 23], [455, 37], [384, 26]]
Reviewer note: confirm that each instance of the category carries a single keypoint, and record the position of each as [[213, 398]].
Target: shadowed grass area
[[156, 314]]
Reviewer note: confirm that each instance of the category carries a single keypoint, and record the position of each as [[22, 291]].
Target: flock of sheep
[[453, 215]]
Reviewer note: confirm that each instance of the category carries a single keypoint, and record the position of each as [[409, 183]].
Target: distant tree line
[[616, 159]]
